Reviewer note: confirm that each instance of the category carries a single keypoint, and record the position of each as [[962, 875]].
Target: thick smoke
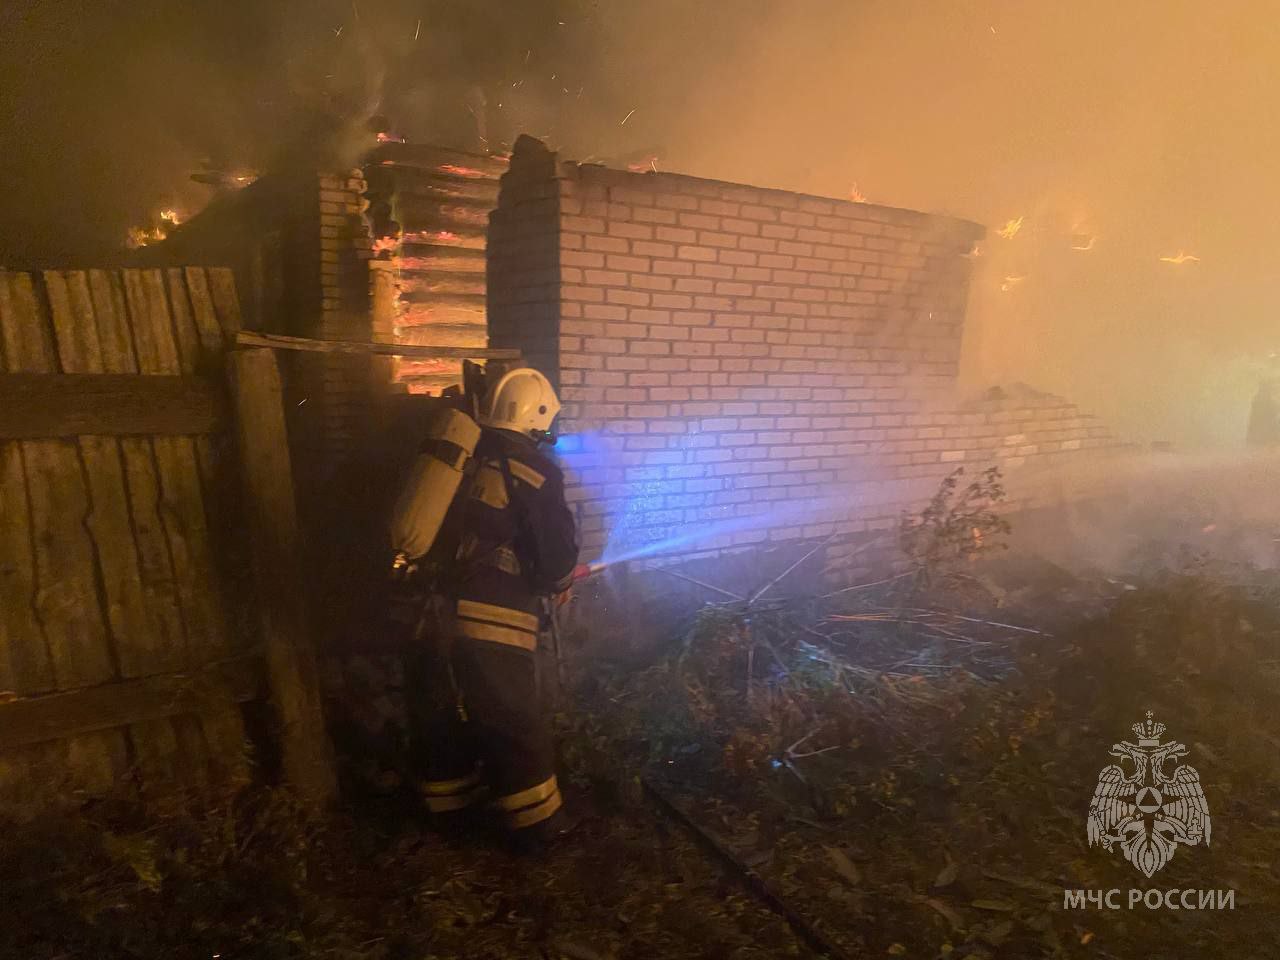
[[1139, 130]]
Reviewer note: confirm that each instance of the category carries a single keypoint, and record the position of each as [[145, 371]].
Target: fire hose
[[551, 612]]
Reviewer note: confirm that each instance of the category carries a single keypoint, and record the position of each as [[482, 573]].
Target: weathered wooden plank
[[280, 342], [25, 664], [149, 320], [202, 310], [111, 321], [190, 351], [200, 351], [163, 646], [156, 745], [166, 640], [211, 744], [181, 499], [222, 287], [29, 720], [442, 159], [71, 310], [223, 719], [64, 607], [122, 576], [66, 583], [209, 357], [67, 598], [109, 525], [467, 337], [272, 517], [48, 405]]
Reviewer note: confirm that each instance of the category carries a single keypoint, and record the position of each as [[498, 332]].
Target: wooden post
[[273, 526]]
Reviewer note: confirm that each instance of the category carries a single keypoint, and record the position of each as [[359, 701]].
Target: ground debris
[[919, 770], [907, 774]]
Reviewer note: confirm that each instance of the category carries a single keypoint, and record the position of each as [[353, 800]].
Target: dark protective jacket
[[518, 540]]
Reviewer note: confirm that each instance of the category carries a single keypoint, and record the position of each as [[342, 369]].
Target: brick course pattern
[[346, 286], [743, 364]]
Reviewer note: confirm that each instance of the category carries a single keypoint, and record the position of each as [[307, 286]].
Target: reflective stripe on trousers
[[527, 808], [487, 621], [446, 796]]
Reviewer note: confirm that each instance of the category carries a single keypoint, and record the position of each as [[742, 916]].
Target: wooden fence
[[127, 643]]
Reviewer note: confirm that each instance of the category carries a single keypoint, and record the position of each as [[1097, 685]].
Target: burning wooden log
[[445, 335], [439, 283], [443, 310], [425, 213], [469, 240], [453, 162], [427, 257]]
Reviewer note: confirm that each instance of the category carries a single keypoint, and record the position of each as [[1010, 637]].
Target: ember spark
[[1010, 229]]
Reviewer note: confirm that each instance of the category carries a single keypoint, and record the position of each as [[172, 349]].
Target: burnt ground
[[906, 771]]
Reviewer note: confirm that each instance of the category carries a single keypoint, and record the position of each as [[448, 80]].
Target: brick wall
[[740, 364], [348, 283]]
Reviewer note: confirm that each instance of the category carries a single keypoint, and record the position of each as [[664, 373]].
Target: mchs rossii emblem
[[1143, 811]]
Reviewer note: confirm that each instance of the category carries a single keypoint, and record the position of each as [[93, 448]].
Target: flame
[[389, 138], [170, 216], [1010, 282], [385, 244], [471, 172], [144, 236], [856, 195], [1010, 229], [1181, 258]]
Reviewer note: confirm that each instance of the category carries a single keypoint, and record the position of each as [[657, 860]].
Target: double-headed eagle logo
[[1147, 813]]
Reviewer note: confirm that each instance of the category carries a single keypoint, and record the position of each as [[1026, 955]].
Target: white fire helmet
[[522, 401]]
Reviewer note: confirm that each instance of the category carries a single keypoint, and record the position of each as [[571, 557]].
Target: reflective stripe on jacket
[[519, 540]]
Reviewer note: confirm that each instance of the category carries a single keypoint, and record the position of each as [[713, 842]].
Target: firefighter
[[481, 735]]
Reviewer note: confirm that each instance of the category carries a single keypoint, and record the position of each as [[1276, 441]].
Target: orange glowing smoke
[[1010, 229], [1181, 258]]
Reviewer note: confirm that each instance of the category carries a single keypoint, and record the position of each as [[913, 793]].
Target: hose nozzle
[[585, 571]]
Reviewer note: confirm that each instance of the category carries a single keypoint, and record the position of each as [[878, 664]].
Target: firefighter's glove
[[402, 568]]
